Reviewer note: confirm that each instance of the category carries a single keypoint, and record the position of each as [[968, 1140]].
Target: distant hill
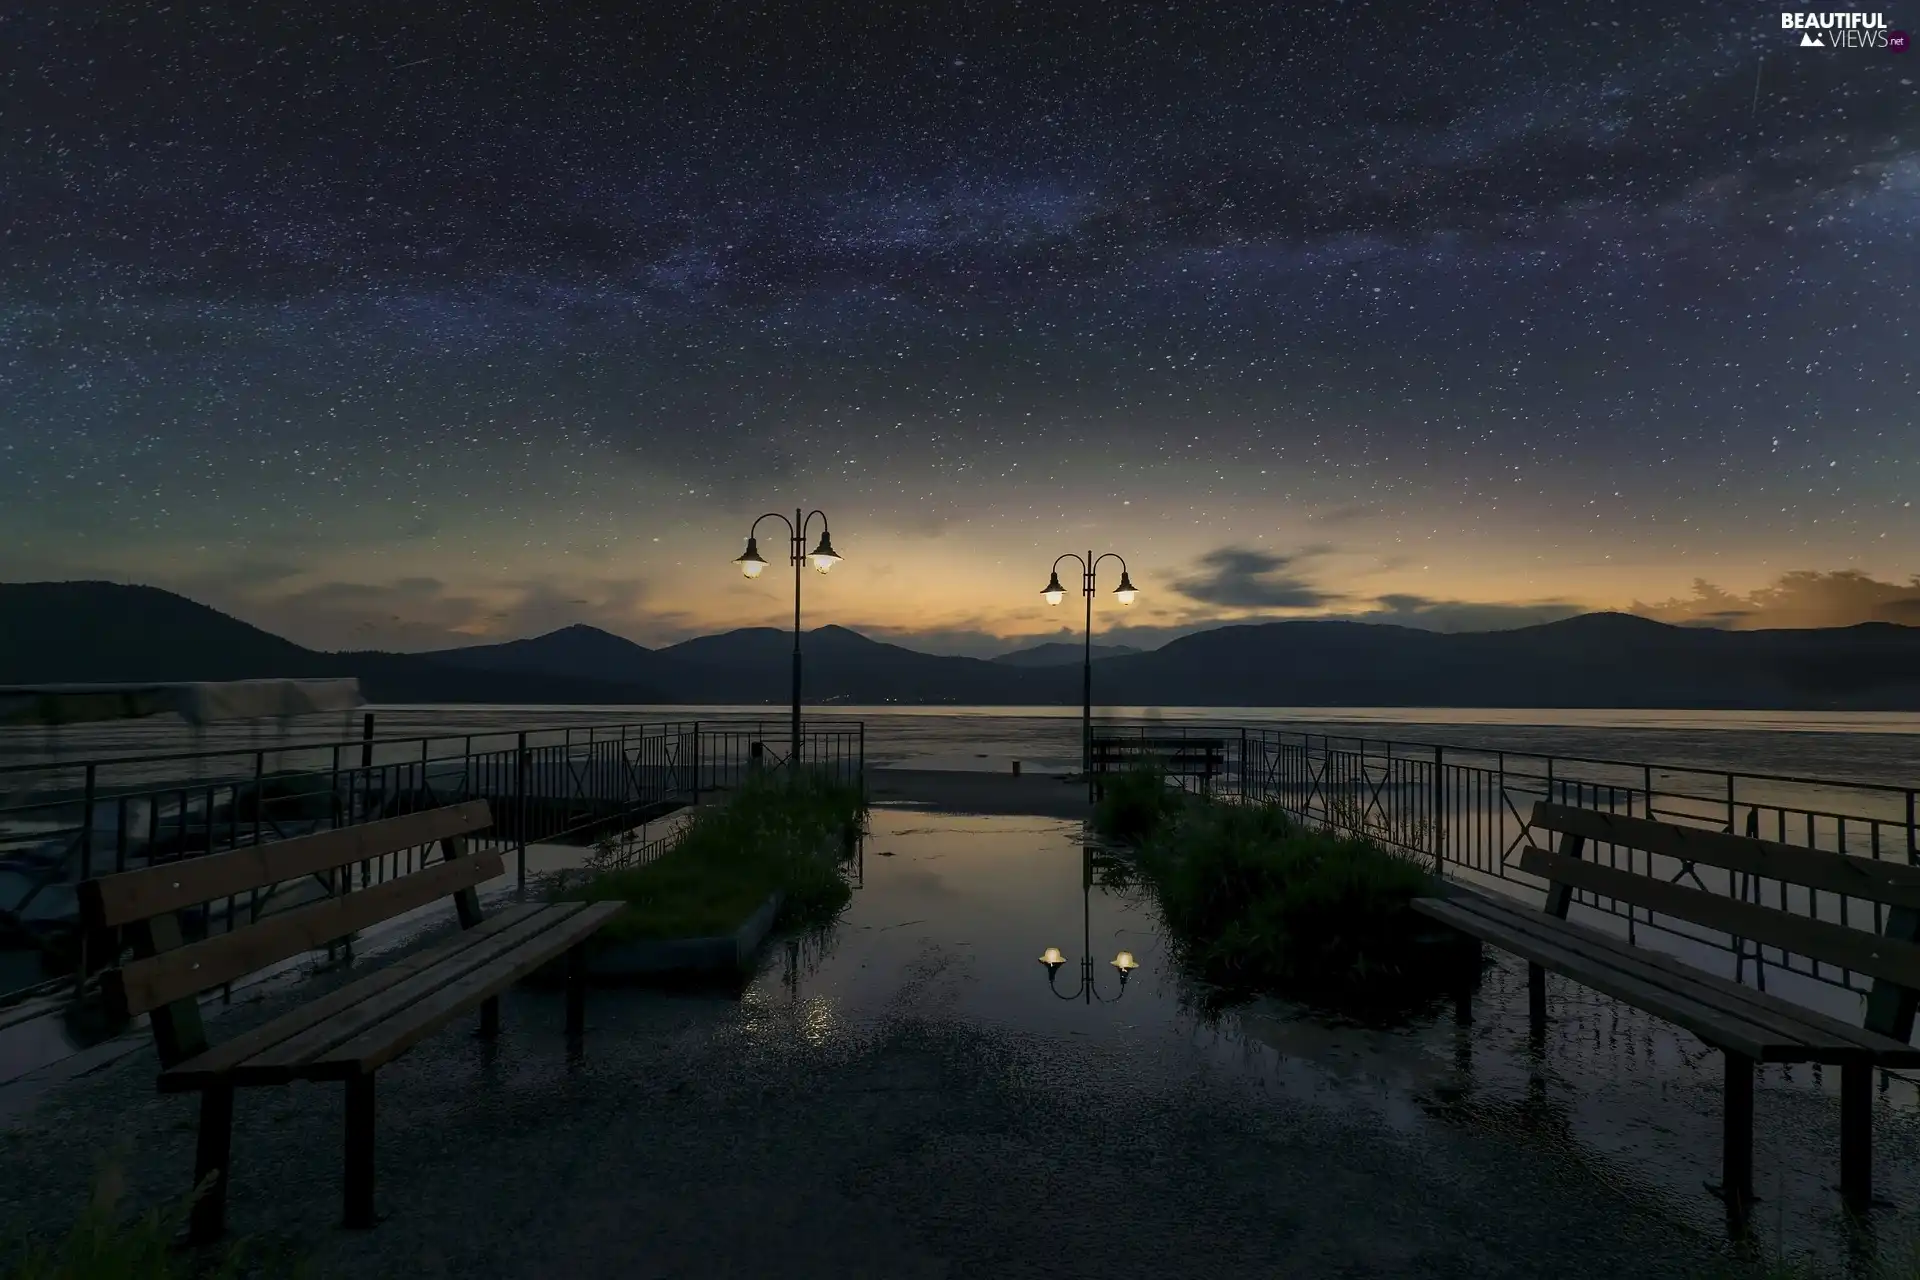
[[1059, 654], [86, 632], [1595, 660], [577, 650], [95, 631], [840, 665]]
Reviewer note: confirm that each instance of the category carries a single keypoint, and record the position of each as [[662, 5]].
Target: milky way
[[410, 323]]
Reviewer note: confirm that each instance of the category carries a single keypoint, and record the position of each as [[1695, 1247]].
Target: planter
[[724, 955]]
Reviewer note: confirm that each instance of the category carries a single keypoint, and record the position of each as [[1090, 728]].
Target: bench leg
[[358, 1182], [1537, 1001], [490, 1017], [1856, 1135], [1736, 1179], [208, 1219], [576, 991]]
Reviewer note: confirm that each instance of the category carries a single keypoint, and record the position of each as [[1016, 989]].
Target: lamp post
[[824, 558], [1124, 963], [1055, 593]]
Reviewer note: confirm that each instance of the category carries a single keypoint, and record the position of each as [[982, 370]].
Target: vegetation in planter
[[783, 831], [1256, 902], [1133, 804]]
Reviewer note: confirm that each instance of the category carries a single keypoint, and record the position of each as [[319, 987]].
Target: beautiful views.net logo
[[1844, 31]]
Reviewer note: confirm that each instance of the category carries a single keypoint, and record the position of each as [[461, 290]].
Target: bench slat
[[184, 971], [1838, 944], [1782, 1017], [282, 1062], [205, 1068], [151, 891], [383, 1043], [1875, 881], [1710, 1025]]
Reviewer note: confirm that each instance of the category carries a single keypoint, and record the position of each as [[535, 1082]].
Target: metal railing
[[1465, 811], [68, 821]]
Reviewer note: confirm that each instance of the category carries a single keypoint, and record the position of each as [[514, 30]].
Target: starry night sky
[[413, 324]]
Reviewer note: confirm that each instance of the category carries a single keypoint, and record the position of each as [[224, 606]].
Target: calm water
[[953, 912], [1860, 746]]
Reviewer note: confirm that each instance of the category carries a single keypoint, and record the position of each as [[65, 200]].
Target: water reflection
[[954, 912], [1124, 964]]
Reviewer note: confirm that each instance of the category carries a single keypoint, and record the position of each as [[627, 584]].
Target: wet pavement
[[909, 1097]]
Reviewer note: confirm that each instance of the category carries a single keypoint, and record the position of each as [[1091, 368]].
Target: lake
[[1881, 747]]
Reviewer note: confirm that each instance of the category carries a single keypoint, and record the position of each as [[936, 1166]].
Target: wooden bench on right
[[1747, 1025]]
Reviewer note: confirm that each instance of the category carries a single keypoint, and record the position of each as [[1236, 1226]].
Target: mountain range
[[83, 632]]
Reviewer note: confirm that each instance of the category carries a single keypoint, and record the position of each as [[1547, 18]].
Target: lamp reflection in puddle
[[1124, 964]]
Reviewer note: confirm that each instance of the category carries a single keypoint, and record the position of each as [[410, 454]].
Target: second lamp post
[[1055, 593], [752, 563]]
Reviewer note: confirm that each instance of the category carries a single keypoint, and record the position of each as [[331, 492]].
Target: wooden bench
[[1748, 1026], [1201, 758], [347, 1034]]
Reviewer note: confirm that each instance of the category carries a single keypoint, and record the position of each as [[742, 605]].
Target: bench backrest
[[1890, 957], [1173, 755], [168, 972]]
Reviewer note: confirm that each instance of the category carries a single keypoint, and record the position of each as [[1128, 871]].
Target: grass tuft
[[779, 831], [1135, 803], [105, 1244], [1256, 902]]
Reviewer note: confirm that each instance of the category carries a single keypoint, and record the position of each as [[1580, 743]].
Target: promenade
[[906, 1098]]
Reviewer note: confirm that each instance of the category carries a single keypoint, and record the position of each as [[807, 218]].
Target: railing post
[[86, 823], [86, 873], [366, 741], [520, 808], [696, 763], [1913, 851], [1439, 811]]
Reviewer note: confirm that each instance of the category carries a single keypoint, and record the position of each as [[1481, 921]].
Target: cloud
[[1246, 578], [1467, 615], [1805, 598]]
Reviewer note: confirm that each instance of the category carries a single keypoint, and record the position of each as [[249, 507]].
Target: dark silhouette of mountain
[[93, 631], [1595, 660], [839, 665], [61, 632], [1059, 654], [578, 650], [103, 632]]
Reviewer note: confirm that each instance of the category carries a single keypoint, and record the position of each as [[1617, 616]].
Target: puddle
[[953, 913]]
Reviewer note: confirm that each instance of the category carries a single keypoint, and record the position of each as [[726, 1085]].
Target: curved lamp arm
[[1087, 984], [771, 515], [751, 562], [824, 556], [1126, 590], [1053, 591], [1087, 988]]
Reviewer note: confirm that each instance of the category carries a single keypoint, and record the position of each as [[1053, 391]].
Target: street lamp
[[1054, 594], [1124, 963], [752, 564]]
